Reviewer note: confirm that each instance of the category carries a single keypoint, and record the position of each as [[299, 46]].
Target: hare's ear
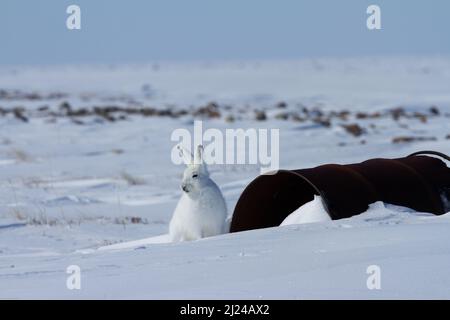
[[185, 154], [199, 155]]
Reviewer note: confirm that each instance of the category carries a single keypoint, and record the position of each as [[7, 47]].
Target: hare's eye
[[194, 175]]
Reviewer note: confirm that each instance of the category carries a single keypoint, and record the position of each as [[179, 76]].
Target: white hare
[[201, 212]]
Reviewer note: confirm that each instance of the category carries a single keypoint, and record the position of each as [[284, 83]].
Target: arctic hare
[[201, 211]]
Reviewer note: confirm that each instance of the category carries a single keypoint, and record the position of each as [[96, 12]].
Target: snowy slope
[[69, 186], [305, 261]]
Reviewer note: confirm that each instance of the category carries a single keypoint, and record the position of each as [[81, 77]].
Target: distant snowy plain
[[68, 188]]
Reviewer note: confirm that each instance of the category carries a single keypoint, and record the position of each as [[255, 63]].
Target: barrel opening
[[269, 199]]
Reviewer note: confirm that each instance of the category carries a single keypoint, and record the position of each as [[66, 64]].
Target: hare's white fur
[[201, 212]]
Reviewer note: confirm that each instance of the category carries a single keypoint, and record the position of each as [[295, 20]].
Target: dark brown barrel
[[419, 182]]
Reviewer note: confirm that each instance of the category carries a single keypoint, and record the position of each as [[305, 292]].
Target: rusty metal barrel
[[419, 181]]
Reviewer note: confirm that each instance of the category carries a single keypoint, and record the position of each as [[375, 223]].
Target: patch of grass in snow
[[132, 180], [18, 214], [41, 218], [20, 155], [130, 220], [33, 182]]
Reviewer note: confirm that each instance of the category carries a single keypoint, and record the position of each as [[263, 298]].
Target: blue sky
[[114, 31]]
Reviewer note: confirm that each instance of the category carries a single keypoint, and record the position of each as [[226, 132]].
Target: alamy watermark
[[73, 21], [373, 22], [231, 146], [374, 279], [73, 281]]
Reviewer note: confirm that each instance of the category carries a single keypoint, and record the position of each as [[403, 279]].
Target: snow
[[164, 238], [307, 261], [310, 212], [101, 194]]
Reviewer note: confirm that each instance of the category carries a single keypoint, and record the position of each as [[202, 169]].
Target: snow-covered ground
[[70, 184]]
